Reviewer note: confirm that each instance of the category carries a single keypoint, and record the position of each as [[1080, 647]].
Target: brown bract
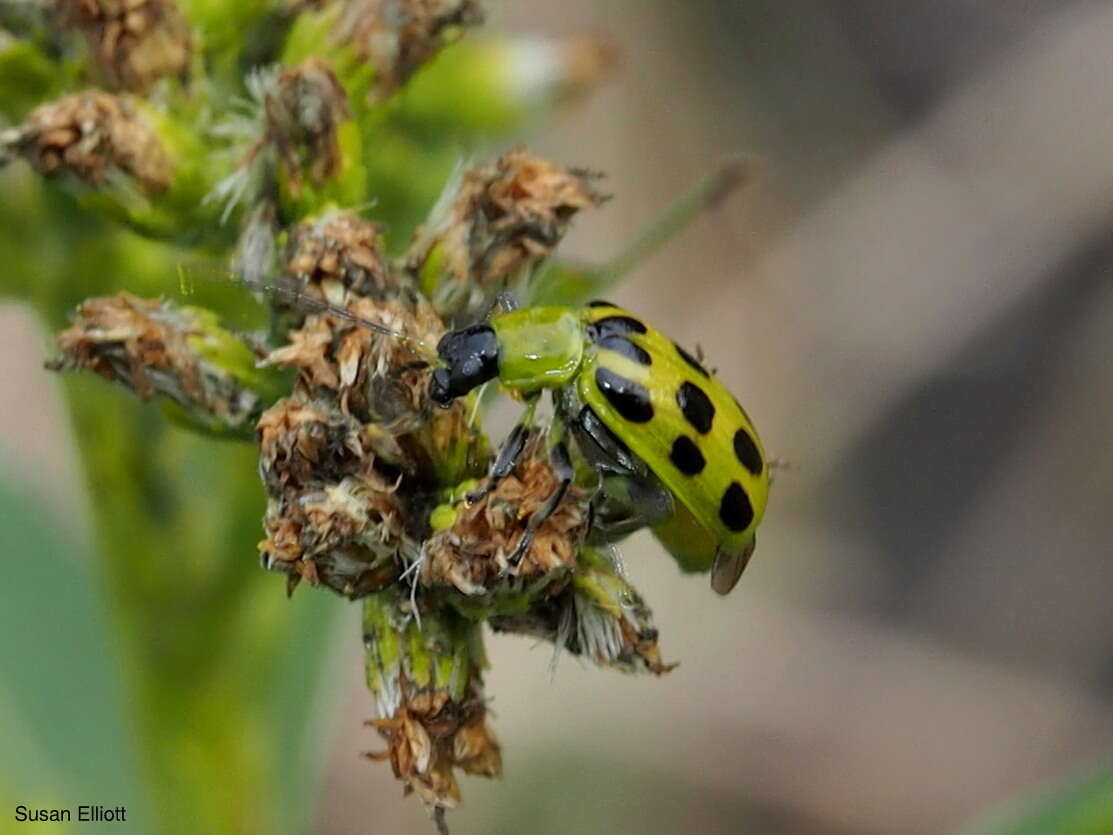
[[339, 252], [472, 555], [134, 42], [618, 633], [506, 216], [374, 376], [90, 135], [333, 515], [398, 36], [430, 736], [303, 115], [145, 344], [344, 536]]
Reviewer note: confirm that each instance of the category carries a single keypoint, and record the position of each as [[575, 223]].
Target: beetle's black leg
[[509, 453], [565, 472], [626, 504]]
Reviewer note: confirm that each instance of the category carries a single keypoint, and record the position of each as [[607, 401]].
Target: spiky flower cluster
[[373, 491]]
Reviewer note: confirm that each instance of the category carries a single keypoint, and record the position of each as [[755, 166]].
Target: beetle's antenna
[[309, 302]]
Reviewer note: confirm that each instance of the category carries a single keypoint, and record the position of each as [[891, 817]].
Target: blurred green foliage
[[1081, 806]]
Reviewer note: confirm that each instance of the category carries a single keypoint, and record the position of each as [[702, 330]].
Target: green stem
[[220, 669], [709, 192], [565, 284]]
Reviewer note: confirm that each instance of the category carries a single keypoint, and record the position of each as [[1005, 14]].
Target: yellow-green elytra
[[679, 450]]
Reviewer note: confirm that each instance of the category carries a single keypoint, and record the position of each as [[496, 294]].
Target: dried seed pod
[[154, 348], [92, 135], [425, 677], [599, 616], [492, 225], [373, 376], [347, 536], [334, 516], [335, 254], [304, 112], [305, 444], [292, 141], [134, 42], [398, 36], [472, 554]]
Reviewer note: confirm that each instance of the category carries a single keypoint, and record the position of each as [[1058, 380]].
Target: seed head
[[154, 348], [338, 252], [303, 113], [134, 42], [497, 222], [473, 554], [398, 36], [92, 135]]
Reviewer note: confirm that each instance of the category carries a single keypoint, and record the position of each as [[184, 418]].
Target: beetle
[[675, 450]]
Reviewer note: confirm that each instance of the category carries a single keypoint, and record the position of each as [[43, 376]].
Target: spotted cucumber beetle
[[674, 448]]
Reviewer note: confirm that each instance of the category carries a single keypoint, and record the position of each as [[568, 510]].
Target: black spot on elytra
[[696, 406], [600, 303], [622, 345], [630, 399], [614, 326], [735, 509], [692, 361], [686, 456], [748, 454]]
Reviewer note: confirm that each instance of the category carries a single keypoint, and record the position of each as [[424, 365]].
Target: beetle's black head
[[470, 358]]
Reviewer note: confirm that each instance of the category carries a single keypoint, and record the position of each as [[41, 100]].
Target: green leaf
[[63, 720], [1083, 806]]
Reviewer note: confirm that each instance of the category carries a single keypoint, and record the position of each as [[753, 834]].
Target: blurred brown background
[[914, 304]]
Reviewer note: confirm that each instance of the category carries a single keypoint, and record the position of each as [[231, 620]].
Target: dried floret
[[153, 347], [599, 616], [347, 536], [134, 42], [495, 223], [398, 36], [304, 110], [429, 696], [336, 254], [375, 376], [334, 515], [92, 135], [474, 554]]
